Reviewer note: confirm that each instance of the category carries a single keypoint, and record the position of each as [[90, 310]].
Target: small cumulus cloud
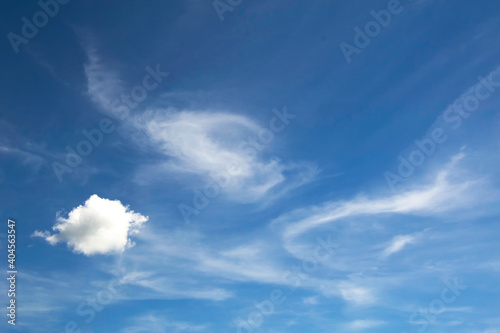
[[100, 226]]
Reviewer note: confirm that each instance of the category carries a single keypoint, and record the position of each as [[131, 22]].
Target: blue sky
[[266, 166]]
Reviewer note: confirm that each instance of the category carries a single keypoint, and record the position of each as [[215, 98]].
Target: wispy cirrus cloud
[[445, 193], [399, 242], [205, 143], [15, 145], [103, 83], [222, 146], [153, 322], [364, 324]]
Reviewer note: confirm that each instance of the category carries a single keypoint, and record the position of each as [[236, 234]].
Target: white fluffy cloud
[[100, 226]]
